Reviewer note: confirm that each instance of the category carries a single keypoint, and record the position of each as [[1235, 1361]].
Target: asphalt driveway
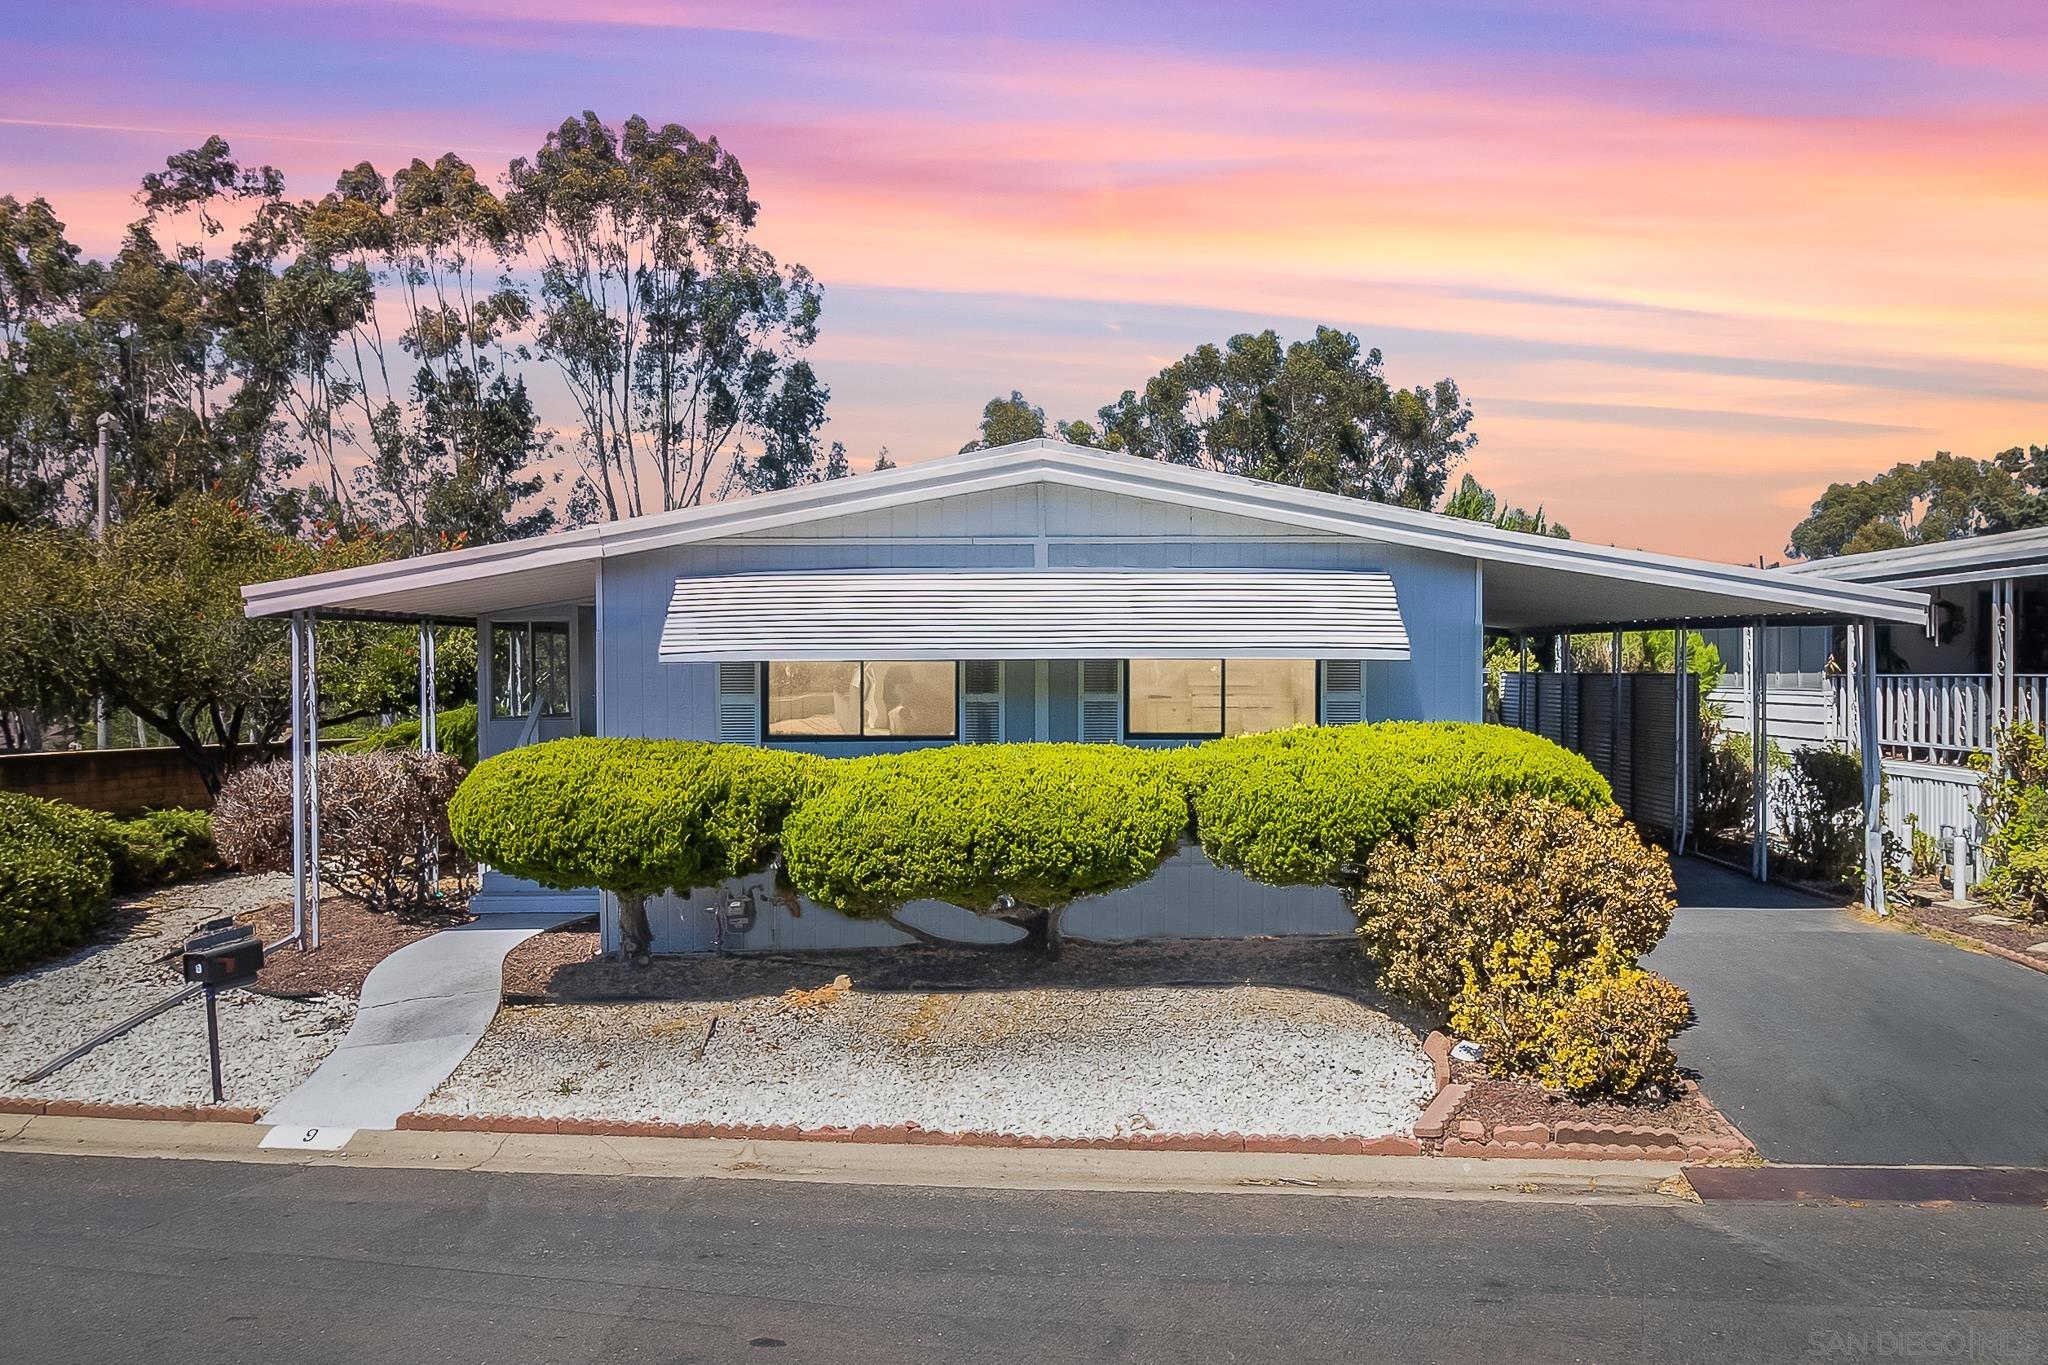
[[1830, 1040]]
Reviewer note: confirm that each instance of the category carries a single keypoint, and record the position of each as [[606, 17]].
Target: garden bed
[[1927, 909], [268, 1045], [353, 940], [1033, 1061]]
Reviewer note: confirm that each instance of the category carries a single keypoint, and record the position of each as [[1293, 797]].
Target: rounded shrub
[[1600, 1026], [1015, 831], [55, 878], [1430, 910], [635, 817], [1309, 805]]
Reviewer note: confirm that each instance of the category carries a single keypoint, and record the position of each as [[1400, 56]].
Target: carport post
[[1681, 741], [430, 723], [1522, 716], [430, 720], [1863, 652], [305, 783], [1759, 750]]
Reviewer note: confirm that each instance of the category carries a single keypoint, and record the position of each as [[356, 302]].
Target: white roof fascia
[[1073, 466]]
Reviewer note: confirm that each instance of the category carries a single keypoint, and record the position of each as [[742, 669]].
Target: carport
[[1833, 1040]]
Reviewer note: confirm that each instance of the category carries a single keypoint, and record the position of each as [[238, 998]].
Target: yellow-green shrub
[[1431, 909], [55, 878], [1310, 804], [1041, 824], [1600, 1026], [2015, 806]]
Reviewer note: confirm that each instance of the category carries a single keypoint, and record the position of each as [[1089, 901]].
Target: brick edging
[[95, 1109], [911, 1134]]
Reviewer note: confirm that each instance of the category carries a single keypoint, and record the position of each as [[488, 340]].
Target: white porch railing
[[1942, 716]]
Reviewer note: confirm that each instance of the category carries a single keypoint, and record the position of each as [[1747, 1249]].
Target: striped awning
[[1042, 614]]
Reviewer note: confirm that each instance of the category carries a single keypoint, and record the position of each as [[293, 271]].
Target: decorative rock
[[2038, 949], [1993, 919]]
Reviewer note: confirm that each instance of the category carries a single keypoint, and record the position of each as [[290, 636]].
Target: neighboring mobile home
[[1039, 591], [1944, 687]]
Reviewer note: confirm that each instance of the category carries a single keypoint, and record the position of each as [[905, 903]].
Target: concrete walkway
[[422, 1009], [1834, 1041]]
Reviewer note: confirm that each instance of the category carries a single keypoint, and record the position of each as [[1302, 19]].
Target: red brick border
[[95, 1109], [1392, 1145]]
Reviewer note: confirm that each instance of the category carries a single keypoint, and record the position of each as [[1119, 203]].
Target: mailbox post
[[221, 954]]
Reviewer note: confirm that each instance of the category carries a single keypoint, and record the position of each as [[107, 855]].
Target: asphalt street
[[105, 1259]]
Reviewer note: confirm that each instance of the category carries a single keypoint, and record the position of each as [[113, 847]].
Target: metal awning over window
[[1042, 614]]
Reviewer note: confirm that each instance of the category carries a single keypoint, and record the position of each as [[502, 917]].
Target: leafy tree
[[40, 276], [1005, 421], [1473, 501], [1316, 414], [449, 443], [671, 328], [154, 622], [1943, 498], [789, 425]]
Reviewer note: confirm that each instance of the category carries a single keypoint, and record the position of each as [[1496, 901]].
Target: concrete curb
[[870, 1164], [913, 1135]]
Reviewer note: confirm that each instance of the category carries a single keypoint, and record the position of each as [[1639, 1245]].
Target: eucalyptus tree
[[673, 331], [1316, 413], [444, 433], [47, 378]]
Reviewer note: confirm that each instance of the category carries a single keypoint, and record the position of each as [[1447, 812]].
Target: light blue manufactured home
[[1039, 591]]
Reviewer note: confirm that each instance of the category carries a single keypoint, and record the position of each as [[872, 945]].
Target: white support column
[[1614, 730], [1522, 685], [312, 938], [1759, 749], [430, 723], [298, 750], [1863, 656], [1681, 741]]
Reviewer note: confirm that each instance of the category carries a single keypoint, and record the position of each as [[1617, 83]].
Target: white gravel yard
[[268, 1045], [1061, 1063]]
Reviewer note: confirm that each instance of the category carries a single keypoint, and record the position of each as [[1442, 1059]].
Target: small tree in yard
[[383, 824], [154, 621], [632, 817], [1015, 832]]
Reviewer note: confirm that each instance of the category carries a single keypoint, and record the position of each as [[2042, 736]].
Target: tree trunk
[[636, 936], [1041, 929]]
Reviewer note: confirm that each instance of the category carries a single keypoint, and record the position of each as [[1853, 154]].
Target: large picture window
[[848, 699], [1219, 696]]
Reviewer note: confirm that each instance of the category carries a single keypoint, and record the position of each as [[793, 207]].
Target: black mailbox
[[225, 957]]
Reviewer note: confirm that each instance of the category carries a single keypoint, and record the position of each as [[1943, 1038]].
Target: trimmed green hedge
[[55, 878], [158, 846], [455, 729], [1016, 831], [1040, 823], [627, 815], [60, 867], [1309, 805]]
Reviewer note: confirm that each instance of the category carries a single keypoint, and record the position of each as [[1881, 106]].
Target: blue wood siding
[[1019, 528]]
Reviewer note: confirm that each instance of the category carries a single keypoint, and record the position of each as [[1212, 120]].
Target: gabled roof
[[1531, 582], [2006, 554]]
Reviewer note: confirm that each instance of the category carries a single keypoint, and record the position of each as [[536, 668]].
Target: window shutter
[[1343, 691], [981, 702], [739, 704], [1102, 712]]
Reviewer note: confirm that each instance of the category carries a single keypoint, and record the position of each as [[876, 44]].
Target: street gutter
[[1562, 1181]]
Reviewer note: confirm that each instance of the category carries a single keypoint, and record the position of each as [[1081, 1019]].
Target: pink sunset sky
[[1690, 261]]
